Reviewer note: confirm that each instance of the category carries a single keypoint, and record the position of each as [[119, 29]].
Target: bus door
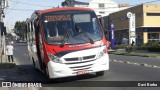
[[38, 43]]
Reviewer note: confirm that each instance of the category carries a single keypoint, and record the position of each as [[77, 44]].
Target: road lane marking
[[136, 63], [25, 54], [140, 64], [144, 64], [121, 61]]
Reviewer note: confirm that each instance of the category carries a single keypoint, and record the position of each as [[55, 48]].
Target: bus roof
[[39, 12], [62, 9]]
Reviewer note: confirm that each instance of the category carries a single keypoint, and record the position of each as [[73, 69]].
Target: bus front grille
[[83, 67], [80, 63], [80, 58]]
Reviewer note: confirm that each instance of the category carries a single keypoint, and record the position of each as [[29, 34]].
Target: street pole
[[0, 21], [132, 31], [112, 31], [3, 5], [0, 30]]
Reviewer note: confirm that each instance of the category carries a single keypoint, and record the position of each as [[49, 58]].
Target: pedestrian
[[132, 43], [9, 52]]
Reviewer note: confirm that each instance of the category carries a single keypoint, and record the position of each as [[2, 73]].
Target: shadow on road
[[33, 75], [20, 44]]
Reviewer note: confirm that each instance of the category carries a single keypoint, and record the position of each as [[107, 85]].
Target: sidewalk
[[10, 72], [6, 69], [4, 62]]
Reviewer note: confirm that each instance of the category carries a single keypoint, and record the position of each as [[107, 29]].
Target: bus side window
[[38, 32], [30, 31], [36, 26]]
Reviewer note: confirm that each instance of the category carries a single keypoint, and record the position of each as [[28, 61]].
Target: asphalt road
[[118, 72], [136, 59]]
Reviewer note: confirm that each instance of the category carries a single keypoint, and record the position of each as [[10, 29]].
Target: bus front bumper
[[57, 70]]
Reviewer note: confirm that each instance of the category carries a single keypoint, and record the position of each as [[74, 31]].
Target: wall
[[109, 7], [120, 20], [151, 21]]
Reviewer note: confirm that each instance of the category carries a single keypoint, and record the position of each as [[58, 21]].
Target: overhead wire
[[52, 6], [18, 2], [14, 4], [32, 4], [22, 9], [145, 3]]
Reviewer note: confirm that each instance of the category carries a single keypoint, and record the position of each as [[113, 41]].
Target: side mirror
[[108, 44]]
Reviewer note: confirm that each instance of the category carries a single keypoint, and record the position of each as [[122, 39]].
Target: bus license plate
[[82, 72]]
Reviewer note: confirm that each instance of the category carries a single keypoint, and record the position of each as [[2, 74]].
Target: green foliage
[[20, 25], [20, 28], [152, 43], [150, 46], [67, 2], [154, 46], [9, 36], [120, 46], [130, 48], [141, 47], [126, 47]]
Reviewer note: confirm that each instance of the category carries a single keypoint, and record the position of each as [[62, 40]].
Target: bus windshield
[[73, 27]]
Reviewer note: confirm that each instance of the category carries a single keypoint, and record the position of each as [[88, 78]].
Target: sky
[[20, 10]]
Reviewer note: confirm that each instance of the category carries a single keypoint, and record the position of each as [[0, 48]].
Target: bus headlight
[[102, 53], [54, 58]]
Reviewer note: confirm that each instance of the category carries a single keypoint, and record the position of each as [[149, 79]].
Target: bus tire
[[100, 73], [33, 63], [46, 71]]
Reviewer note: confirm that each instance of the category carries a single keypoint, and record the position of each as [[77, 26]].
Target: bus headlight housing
[[54, 58], [101, 53]]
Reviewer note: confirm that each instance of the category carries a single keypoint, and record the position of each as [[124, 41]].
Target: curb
[[133, 63], [7, 65], [126, 54]]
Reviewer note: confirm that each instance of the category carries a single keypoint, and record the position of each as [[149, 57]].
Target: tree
[[69, 3], [20, 29], [9, 37]]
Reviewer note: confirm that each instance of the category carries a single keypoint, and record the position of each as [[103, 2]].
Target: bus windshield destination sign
[[58, 18]]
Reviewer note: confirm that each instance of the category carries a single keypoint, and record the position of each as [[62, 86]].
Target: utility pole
[[3, 5]]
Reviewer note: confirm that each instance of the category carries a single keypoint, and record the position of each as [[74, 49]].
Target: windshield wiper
[[79, 30], [66, 37]]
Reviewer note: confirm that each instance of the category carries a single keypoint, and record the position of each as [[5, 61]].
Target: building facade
[[80, 4], [147, 23], [101, 7], [105, 7]]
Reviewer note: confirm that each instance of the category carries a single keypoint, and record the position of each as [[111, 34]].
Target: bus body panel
[[60, 70], [89, 62]]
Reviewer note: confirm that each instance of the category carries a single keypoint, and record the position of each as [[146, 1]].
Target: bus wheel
[[46, 71], [101, 73], [33, 62], [34, 65]]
